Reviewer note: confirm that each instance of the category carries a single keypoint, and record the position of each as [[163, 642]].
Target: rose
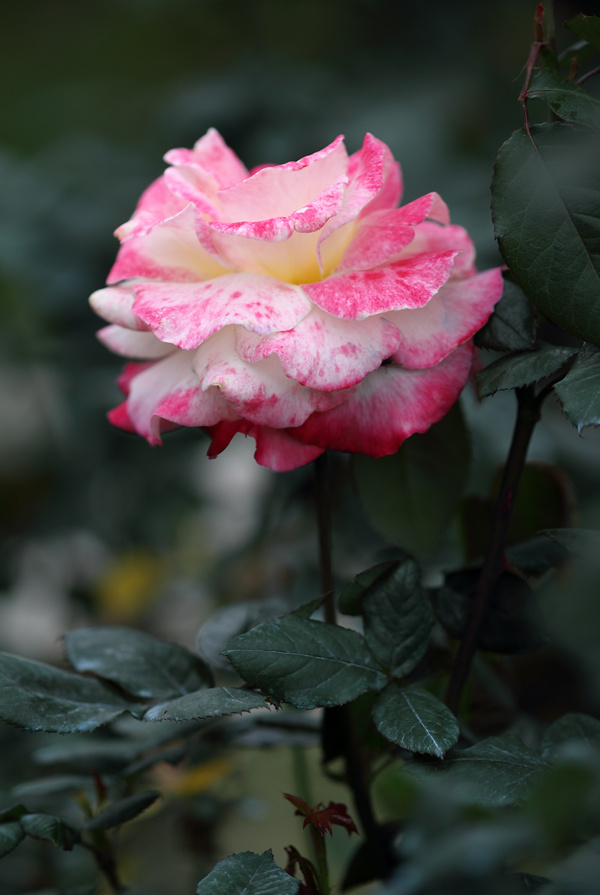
[[295, 303]]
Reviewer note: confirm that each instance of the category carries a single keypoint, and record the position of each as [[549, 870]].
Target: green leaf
[[89, 756], [546, 211], [46, 826], [410, 495], [350, 601], [536, 555], [579, 391], [140, 664], [517, 370], [582, 542], [416, 720], [10, 835], [205, 704], [586, 27], [306, 663], [45, 785], [512, 326], [398, 618], [496, 772], [248, 874], [120, 812], [40, 697], [231, 621], [565, 97], [512, 622], [574, 726]]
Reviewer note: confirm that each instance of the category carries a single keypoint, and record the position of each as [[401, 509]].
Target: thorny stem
[[529, 407], [381, 857]]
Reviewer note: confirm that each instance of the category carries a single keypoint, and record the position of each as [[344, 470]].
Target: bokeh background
[[95, 526]]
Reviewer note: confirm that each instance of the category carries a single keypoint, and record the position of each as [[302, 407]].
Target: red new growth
[[322, 818]]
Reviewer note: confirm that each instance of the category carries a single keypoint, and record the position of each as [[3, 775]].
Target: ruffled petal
[[115, 305], [308, 219], [389, 405], [384, 234], [374, 184], [275, 448], [186, 314], [406, 283], [211, 153], [157, 203], [460, 308], [281, 190], [169, 390], [128, 343], [178, 249], [259, 392], [324, 352], [431, 238]]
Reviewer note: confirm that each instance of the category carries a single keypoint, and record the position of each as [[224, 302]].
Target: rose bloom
[[296, 304]]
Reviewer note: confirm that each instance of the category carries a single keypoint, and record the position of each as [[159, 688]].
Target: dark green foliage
[[398, 618], [249, 874], [54, 829], [498, 771], [140, 664], [204, 704], [512, 326], [517, 370], [39, 697], [579, 391], [586, 27], [416, 720], [120, 812], [306, 663], [546, 210], [565, 98], [410, 495]]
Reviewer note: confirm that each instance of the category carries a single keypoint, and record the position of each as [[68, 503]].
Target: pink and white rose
[[294, 303]]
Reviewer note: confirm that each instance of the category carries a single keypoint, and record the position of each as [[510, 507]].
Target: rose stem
[[340, 715], [107, 866], [528, 414]]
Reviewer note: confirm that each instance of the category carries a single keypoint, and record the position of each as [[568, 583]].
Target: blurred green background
[[95, 525]]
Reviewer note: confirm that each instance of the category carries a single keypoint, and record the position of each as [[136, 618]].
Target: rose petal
[[280, 190], [171, 386], [126, 342], [460, 308], [431, 238], [178, 249], [308, 219], [259, 392], [374, 184], [191, 184], [187, 314], [213, 154], [380, 237], [389, 405], [119, 417], [324, 352], [404, 283], [115, 305], [157, 203], [275, 448]]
